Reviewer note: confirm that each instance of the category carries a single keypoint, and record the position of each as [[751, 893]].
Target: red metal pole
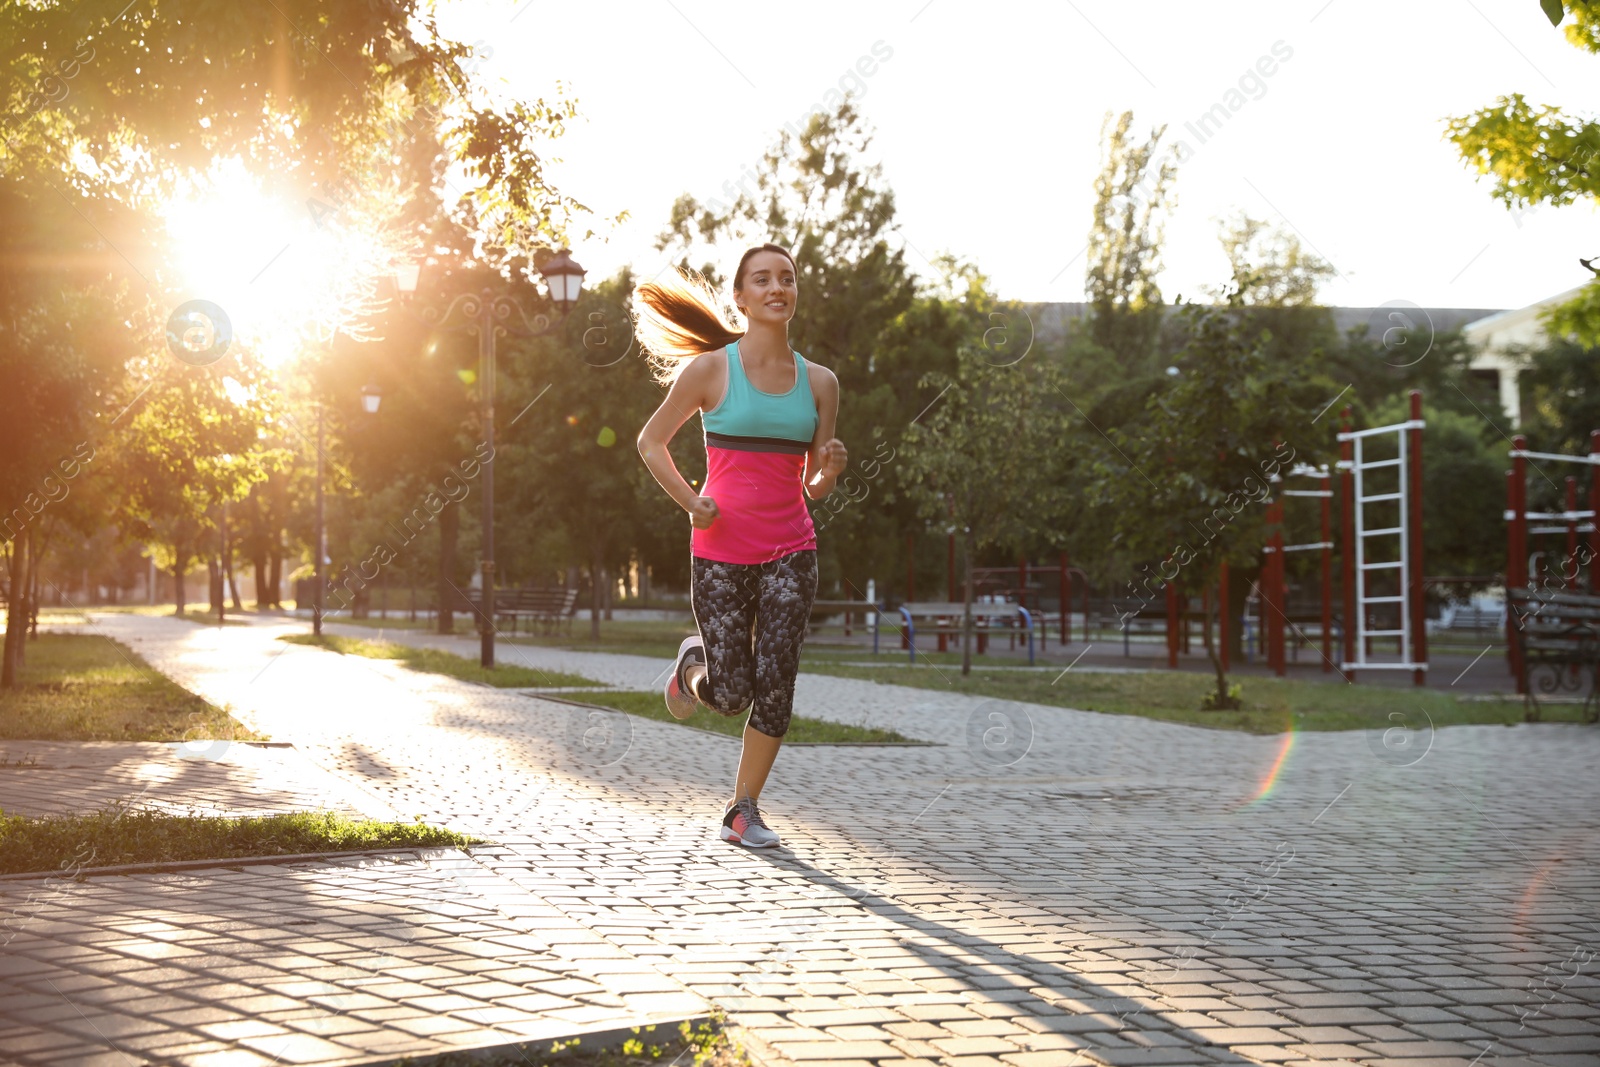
[[1347, 523], [1327, 575], [1222, 614], [1280, 598], [1419, 604], [1066, 606], [1172, 624], [1594, 506], [1572, 532]]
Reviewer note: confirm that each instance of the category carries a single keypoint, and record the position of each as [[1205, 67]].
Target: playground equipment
[[1521, 604], [1274, 583], [1406, 531]]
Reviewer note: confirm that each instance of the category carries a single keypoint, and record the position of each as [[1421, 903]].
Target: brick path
[[1044, 887]]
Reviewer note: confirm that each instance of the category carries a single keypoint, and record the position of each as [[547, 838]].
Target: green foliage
[[1542, 155], [984, 460], [1561, 397], [1578, 318], [1184, 485], [1270, 267], [1232, 700], [1132, 197]]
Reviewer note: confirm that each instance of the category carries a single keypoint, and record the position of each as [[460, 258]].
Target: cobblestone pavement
[[1042, 887], [199, 777]]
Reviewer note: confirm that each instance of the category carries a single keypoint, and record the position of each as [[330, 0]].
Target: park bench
[[945, 619], [1557, 633], [547, 607], [824, 609]]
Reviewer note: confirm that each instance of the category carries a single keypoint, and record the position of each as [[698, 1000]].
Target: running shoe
[[680, 701], [743, 825]]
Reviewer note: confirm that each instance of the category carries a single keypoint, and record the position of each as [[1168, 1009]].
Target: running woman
[[768, 415]]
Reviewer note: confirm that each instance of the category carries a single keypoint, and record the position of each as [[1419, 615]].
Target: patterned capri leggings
[[753, 618]]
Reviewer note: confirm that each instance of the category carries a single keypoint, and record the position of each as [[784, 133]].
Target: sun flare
[[285, 272]]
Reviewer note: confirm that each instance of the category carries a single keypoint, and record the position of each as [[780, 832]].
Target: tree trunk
[[1221, 698], [214, 585], [35, 554], [228, 576], [966, 610], [180, 563], [258, 567], [16, 613], [274, 572], [449, 527]]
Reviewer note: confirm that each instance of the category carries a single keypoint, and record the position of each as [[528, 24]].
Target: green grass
[[652, 1046], [209, 618], [87, 687], [801, 729], [503, 676], [1271, 705], [116, 836]]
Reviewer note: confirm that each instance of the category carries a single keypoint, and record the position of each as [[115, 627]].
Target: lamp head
[[564, 277]]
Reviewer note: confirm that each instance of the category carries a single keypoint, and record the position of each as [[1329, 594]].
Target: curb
[[241, 861], [589, 1041]]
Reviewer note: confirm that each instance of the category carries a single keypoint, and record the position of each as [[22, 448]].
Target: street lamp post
[[488, 314], [317, 552]]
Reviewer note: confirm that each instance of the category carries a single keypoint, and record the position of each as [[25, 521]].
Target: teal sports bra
[[749, 416]]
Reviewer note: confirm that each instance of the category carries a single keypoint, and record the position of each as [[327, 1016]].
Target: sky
[[988, 119]]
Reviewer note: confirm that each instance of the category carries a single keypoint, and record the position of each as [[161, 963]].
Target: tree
[[575, 486], [1132, 196], [191, 446], [1180, 491], [982, 459], [1270, 267], [1543, 155]]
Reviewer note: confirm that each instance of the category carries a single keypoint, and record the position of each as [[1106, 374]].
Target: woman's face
[[768, 293]]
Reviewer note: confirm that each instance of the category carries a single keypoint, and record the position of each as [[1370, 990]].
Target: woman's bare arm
[[689, 394], [828, 457]]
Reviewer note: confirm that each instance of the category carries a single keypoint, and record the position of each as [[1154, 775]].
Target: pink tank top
[[756, 445]]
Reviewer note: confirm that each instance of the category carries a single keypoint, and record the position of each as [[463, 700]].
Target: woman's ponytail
[[680, 317], [676, 319]]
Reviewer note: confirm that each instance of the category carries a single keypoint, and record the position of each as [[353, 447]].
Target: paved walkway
[[1043, 887]]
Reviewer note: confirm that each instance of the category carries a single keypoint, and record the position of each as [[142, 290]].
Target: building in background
[[1502, 342]]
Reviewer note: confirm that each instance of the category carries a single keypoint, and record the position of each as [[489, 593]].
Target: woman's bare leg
[[755, 763]]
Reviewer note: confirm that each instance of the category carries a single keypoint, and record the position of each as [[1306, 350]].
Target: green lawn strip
[[87, 687], [686, 1045], [801, 729], [209, 618], [1271, 705], [118, 835], [503, 676]]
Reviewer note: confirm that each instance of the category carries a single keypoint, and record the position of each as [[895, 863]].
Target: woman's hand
[[702, 512], [835, 457]]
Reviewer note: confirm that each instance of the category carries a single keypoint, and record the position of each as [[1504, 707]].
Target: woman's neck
[[766, 342]]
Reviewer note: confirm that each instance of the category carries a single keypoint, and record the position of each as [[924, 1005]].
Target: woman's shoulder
[[819, 376]]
